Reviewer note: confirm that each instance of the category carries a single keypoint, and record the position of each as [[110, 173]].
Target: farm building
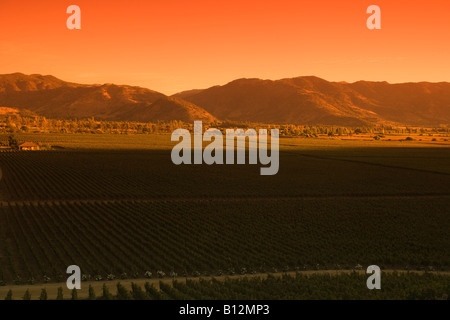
[[28, 146]]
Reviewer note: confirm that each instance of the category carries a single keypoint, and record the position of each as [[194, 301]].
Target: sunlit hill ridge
[[302, 100]]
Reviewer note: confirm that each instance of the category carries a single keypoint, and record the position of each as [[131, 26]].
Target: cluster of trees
[[136, 293], [12, 142], [314, 131], [36, 124], [17, 123]]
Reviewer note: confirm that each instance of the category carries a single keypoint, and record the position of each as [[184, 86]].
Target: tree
[[122, 293], [138, 293], [152, 292], [74, 294], [9, 295], [13, 142], [60, 294], [106, 294], [43, 295], [91, 293], [27, 295]]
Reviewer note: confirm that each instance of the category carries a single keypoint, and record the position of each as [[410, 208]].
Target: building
[[28, 146]]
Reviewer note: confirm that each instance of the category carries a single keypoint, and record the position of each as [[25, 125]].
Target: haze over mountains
[[302, 100]]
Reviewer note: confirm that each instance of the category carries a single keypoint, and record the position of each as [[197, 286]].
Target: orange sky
[[174, 45]]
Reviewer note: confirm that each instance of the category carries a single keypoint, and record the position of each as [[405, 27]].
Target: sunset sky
[[175, 45]]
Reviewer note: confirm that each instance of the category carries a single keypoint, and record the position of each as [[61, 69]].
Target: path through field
[[52, 288]]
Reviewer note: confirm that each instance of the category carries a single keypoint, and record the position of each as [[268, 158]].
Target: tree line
[[37, 124]]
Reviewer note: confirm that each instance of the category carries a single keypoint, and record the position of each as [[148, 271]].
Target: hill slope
[[311, 100], [301, 100], [51, 97]]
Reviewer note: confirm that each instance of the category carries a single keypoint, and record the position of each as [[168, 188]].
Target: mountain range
[[54, 98], [301, 100]]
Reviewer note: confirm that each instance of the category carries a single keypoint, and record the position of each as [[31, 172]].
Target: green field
[[117, 205]]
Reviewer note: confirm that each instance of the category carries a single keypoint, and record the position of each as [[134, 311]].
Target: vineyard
[[398, 286], [150, 174], [132, 214], [211, 237]]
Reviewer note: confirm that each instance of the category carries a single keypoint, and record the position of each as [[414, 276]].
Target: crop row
[[126, 239], [124, 175], [409, 286]]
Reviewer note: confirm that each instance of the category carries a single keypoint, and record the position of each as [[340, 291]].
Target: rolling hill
[[311, 100], [54, 98], [301, 100]]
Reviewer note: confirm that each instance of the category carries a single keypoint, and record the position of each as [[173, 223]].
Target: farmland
[[287, 286], [118, 207]]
